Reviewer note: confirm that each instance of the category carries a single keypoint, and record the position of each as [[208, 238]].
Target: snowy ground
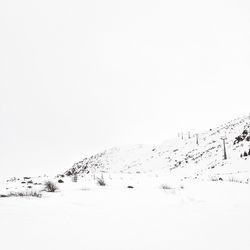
[[191, 215]]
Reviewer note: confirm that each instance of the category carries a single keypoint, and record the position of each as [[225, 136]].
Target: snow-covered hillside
[[194, 157], [198, 155], [181, 194]]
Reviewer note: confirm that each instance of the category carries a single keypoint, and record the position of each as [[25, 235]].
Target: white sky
[[77, 77]]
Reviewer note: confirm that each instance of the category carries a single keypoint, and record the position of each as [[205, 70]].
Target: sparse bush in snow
[[166, 187], [24, 194], [214, 178], [50, 186], [234, 179], [101, 181], [74, 178]]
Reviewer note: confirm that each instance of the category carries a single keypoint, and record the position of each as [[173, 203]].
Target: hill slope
[[187, 158]]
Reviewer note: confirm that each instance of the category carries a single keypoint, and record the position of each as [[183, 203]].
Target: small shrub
[[234, 179], [101, 181], [166, 187], [214, 178], [74, 178], [24, 194], [50, 186]]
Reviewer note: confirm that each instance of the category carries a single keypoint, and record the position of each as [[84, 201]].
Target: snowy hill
[[193, 156], [169, 196]]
